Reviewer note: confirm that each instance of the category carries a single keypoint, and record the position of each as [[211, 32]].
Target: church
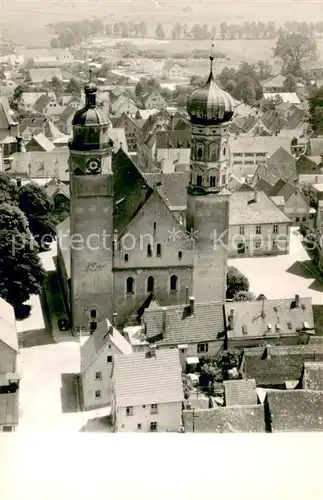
[[122, 247]]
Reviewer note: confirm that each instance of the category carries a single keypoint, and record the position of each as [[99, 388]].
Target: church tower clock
[[210, 110], [91, 215]]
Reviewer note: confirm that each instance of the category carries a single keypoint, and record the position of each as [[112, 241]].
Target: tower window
[[199, 180], [149, 251], [180, 255], [93, 313], [224, 151], [199, 153], [173, 283], [155, 225], [130, 285], [150, 284], [126, 257], [158, 250], [212, 181]]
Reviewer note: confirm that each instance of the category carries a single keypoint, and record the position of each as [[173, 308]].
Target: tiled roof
[[44, 74], [8, 329], [54, 189], [96, 342], [257, 144], [307, 166], [256, 315], [140, 379], [272, 366], [123, 104], [205, 325], [43, 142], [313, 376], [118, 137], [41, 164], [276, 81], [315, 340], [285, 189], [244, 210], [295, 410], [291, 97], [273, 121], [6, 114], [228, 419], [9, 408], [278, 200], [174, 139], [42, 102], [240, 392], [316, 146], [172, 187], [263, 185], [66, 115]]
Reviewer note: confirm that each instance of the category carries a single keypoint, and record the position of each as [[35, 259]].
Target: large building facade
[[125, 245]]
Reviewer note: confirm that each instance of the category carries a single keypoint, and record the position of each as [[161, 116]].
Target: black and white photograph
[[161, 219]]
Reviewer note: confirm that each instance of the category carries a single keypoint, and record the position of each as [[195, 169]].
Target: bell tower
[[210, 110], [91, 215]]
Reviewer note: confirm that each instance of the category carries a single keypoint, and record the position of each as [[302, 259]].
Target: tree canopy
[[293, 48], [236, 283], [316, 110]]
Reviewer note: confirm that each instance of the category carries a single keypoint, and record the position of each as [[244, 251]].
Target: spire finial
[[90, 75], [211, 61]]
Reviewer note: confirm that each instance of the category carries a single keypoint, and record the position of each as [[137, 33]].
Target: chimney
[[296, 300], [114, 318], [164, 319], [19, 144], [231, 318], [151, 351], [187, 296], [110, 330], [255, 196], [192, 303]]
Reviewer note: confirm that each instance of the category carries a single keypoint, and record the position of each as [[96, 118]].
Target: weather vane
[[90, 75]]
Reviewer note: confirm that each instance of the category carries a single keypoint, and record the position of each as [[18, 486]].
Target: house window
[[109, 359], [258, 229], [180, 255], [241, 230], [199, 180], [126, 257], [130, 285], [297, 219], [153, 426], [7, 428], [149, 251], [202, 347], [154, 408], [129, 411], [150, 284], [223, 179], [139, 427], [98, 376], [212, 181], [173, 283], [158, 251], [257, 246], [155, 225], [97, 394], [274, 245], [93, 313], [275, 229]]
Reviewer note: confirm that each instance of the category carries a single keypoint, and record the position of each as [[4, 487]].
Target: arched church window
[[173, 283], [130, 285], [212, 181], [93, 314], [126, 257], [214, 152], [180, 255], [149, 251], [199, 153], [150, 284], [158, 250], [199, 180], [224, 151]]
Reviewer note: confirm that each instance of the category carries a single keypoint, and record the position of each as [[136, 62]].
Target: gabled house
[[196, 329], [274, 84], [278, 321], [48, 107], [309, 169], [172, 70], [60, 194], [147, 391], [172, 187], [295, 204], [97, 355], [256, 225], [153, 100], [8, 126], [124, 104], [30, 127], [39, 143], [131, 129], [65, 120], [28, 99], [172, 147]]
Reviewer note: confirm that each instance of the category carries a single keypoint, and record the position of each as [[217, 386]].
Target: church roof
[[210, 104]]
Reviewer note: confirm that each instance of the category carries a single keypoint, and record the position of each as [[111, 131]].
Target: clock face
[[93, 166]]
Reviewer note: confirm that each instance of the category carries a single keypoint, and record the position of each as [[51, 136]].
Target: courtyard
[[283, 276]]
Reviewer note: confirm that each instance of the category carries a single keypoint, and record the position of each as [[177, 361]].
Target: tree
[[236, 282], [105, 70], [244, 296], [74, 87], [8, 190], [217, 369], [291, 49], [160, 33], [290, 83], [57, 85], [310, 194], [21, 272], [34, 202], [270, 104], [316, 110]]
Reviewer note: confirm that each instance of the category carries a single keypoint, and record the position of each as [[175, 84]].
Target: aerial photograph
[[161, 216]]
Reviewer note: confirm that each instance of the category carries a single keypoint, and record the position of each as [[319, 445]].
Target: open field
[[24, 21]]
